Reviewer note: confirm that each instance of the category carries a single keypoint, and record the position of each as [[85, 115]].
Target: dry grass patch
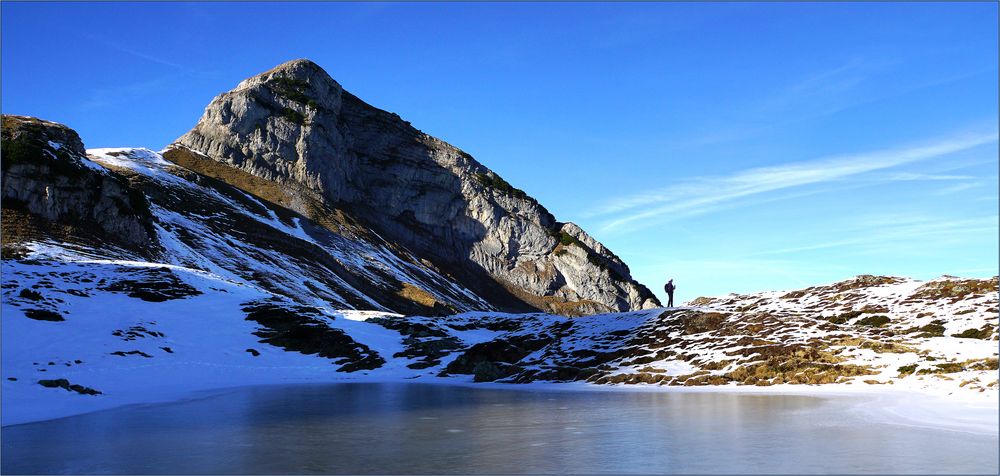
[[934, 329], [702, 301], [653, 370], [878, 347], [984, 333], [956, 289], [798, 366], [874, 321], [983, 364], [698, 322], [632, 378], [712, 365]]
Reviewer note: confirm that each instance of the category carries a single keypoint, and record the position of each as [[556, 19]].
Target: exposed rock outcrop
[[295, 126], [49, 187]]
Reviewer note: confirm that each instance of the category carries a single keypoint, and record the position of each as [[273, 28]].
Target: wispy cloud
[[814, 94], [824, 86], [136, 53], [913, 176], [154, 59], [961, 187], [891, 231], [103, 97], [118, 93], [698, 195]]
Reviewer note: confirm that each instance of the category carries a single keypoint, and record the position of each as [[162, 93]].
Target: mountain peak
[[298, 69], [298, 84], [297, 64], [294, 126]]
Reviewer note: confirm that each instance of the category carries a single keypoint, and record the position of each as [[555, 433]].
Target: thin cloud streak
[[814, 95], [904, 230], [825, 85], [961, 187], [697, 195], [911, 176], [766, 116], [105, 97], [138, 54]]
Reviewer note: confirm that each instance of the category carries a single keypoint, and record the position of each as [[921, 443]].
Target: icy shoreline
[[971, 413], [977, 414]]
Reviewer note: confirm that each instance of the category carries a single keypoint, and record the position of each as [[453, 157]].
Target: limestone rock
[[295, 126], [50, 187]]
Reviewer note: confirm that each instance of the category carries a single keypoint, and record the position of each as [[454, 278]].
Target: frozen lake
[[427, 428]]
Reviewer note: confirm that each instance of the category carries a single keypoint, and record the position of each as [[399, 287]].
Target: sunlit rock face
[[50, 189], [296, 127]]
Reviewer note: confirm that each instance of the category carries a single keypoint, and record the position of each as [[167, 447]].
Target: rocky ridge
[[348, 206], [49, 188]]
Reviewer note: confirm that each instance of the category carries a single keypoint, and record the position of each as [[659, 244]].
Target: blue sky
[[734, 147]]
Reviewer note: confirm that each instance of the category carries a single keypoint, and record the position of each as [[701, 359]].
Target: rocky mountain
[[296, 127], [131, 205], [291, 183]]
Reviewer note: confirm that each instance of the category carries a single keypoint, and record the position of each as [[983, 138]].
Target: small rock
[[43, 315], [30, 294], [65, 384]]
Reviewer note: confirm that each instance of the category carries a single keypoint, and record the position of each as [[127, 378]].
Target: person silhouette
[[669, 288]]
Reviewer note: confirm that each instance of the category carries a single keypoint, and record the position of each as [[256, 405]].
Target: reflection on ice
[[418, 428]]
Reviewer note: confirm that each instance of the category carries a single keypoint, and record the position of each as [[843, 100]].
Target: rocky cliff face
[[295, 126], [50, 188]]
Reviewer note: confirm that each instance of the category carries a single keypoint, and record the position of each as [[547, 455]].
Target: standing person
[[669, 288]]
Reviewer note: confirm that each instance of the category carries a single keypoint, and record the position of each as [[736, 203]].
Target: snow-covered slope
[[212, 226], [74, 325]]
